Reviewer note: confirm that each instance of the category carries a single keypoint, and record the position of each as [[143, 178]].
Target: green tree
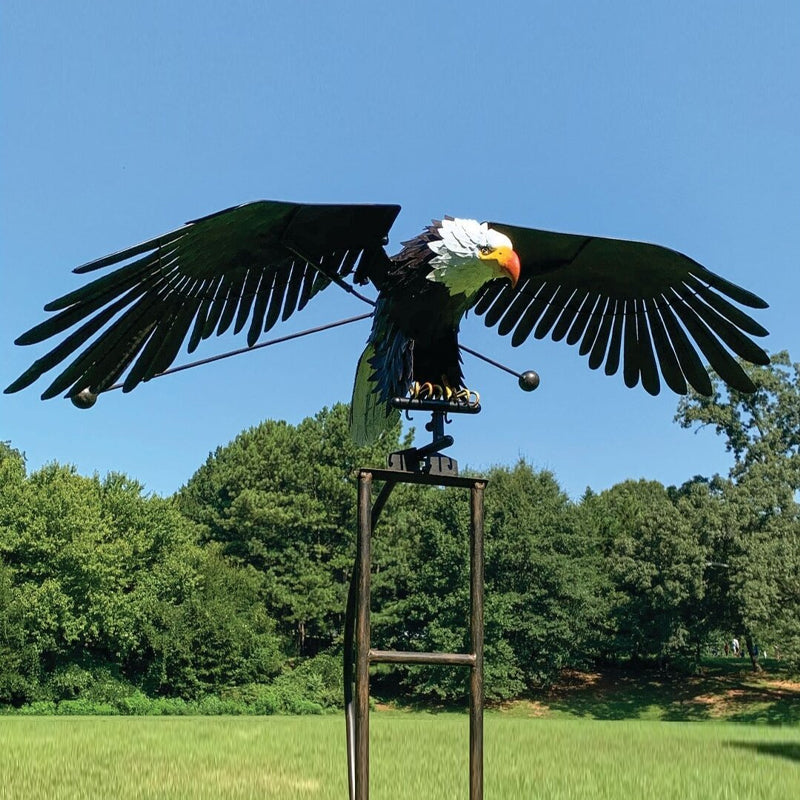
[[541, 585], [655, 563], [90, 569], [762, 431], [282, 499], [18, 660]]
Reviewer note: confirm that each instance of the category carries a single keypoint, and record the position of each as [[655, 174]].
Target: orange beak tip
[[514, 268]]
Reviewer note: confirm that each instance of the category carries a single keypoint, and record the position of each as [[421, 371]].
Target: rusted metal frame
[[358, 723], [414, 657], [349, 633], [476, 641], [423, 478], [362, 634]]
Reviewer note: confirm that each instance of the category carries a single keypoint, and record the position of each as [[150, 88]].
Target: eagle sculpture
[[642, 306]]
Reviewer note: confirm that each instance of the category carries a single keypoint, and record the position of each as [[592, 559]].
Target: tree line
[[235, 587]]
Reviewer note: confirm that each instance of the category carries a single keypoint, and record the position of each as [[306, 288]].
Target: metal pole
[[362, 636], [476, 635]]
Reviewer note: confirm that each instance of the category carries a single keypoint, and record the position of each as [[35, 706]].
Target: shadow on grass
[[621, 696], [790, 750], [774, 709], [717, 694]]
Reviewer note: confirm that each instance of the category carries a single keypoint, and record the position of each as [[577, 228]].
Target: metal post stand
[[358, 722]]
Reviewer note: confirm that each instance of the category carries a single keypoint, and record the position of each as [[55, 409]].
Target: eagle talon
[[467, 397], [434, 391], [424, 391]]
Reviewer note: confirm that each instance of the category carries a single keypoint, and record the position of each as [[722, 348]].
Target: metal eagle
[[644, 307]]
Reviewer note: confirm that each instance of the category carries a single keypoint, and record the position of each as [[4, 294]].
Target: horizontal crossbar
[[399, 476], [442, 406], [410, 657]]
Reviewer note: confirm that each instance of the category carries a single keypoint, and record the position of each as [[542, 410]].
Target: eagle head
[[470, 253]]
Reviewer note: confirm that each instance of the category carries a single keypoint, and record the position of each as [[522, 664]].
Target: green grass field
[[414, 756]]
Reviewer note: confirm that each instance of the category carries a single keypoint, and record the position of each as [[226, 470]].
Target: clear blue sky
[[673, 122]]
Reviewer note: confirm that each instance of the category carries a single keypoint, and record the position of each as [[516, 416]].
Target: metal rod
[[412, 657], [436, 426], [362, 637], [331, 276], [243, 350], [443, 406], [383, 496], [348, 668], [476, 637], [488, 360]]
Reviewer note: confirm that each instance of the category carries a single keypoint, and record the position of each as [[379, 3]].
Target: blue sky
[[676, 123]]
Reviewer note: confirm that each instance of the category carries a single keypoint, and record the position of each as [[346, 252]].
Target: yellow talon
[[447, 390], [468, 397], [443, 391]]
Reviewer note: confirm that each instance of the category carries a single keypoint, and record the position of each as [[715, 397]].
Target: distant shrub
[[211, 705], [83, 708], [38, 707], [313, 687]]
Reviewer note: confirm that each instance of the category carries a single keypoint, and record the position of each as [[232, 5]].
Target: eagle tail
[[369, 415]]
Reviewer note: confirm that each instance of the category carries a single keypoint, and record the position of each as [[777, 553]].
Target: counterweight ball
[[528, 380], [85, 399]]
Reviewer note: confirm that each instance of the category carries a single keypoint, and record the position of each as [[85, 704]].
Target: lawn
[[415, 756]]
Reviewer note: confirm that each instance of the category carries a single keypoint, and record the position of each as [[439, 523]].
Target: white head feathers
[[457, 262], [465, 237]]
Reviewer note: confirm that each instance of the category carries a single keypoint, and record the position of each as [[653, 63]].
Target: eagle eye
[[485, 249]]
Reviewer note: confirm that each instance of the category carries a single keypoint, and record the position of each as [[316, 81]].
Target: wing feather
[[597, 316], [687, 356], [615, 345], [262, 297], [231, 302], [513, 312], [554, 307], [670, 368], [630, 360], [621, 301], [501, 304], [278, 295], [721, 361], [293, 289], [248, 295], [564, 324], [726, 331], [201, 319], [648, 371], [535, 310], [238, 267], [597, 354], [581, 321], [487, 295]]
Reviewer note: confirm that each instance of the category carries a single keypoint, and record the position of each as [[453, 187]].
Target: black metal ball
[[528, 380], [84, 399]]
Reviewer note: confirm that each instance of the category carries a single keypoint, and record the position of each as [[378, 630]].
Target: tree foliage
[[281, 499], [237, 585], [760, 557], [101, 583]]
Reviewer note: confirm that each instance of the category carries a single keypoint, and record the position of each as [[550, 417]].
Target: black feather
[[597, 354], [690, 362], [667, 360]]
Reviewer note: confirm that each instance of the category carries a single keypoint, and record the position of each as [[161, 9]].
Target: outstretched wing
[[247, 265], [626, 302]]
